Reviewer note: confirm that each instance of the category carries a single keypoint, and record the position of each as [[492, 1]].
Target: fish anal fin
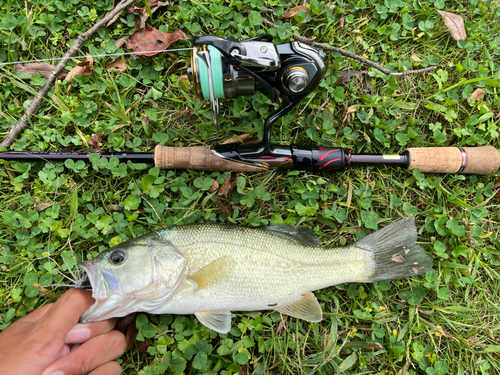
[[306, 307], [213, 273], [219, 321]]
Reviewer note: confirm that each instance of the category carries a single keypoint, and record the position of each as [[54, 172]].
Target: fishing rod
[[225, 69], [483, 160]]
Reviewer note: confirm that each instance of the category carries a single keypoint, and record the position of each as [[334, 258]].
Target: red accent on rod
[[321, 157], [324, 165]]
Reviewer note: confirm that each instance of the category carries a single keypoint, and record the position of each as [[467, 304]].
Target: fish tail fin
[[394, 252]]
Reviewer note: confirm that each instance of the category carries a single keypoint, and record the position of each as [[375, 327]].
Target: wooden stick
[[351, 55], [36, 102]]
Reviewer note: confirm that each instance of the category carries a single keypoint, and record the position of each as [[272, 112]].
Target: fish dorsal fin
[[306, 307], [219, 321], [304, 235], [213, 273]]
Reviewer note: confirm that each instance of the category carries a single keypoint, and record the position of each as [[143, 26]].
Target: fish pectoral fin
[[213, 273], [219, 321], [306, 307]]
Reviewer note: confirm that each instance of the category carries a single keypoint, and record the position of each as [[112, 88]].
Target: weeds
[[447, 321]]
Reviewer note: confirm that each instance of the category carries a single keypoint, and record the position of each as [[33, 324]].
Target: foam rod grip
[[483, 160], [200, 158]]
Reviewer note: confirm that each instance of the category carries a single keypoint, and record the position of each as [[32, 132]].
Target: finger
[[90, 355], [85, 331], [38, 313], [110, 368], [66, 312]]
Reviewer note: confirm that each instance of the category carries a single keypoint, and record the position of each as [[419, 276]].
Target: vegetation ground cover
[[447, 321]]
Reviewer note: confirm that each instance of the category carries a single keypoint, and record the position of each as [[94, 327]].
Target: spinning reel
[[225, 69]]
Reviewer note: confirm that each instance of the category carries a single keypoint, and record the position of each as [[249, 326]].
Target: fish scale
[[276, 259], [211, 270]]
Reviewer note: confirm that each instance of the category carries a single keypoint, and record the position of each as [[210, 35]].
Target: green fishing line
[[217, 80]]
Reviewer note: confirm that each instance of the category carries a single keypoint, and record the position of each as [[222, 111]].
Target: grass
[[447, 321]]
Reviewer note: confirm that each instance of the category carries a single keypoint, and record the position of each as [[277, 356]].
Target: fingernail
[[78, 334], [57, 373]]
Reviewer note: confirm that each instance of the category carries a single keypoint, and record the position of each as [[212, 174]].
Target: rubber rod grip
[[483, 160], [200, 158]]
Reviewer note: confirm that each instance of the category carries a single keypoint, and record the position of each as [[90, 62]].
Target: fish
[[211, 270]]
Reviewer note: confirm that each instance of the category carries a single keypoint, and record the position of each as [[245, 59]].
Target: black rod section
[[134, 157], [379, 159]]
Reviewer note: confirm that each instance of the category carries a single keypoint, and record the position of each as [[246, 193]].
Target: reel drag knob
[[296, 79]]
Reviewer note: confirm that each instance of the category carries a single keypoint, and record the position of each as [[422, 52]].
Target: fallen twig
[[36, 102], [351, 55]]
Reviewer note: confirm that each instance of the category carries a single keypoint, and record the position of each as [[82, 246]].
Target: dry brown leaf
[[416, 58], [120, 42], [224, 189], [238, 139], [112, 20], [149, 39], [187, 111], [292, 12], [143, 13], [79, 70], [156, 4], [141, 19], [233, 183], [368, 83], [135, 9], [477, 94], [113, 207], [214, 187], [131, 336], [363, 345], [455, 24], [496, 186], [82, 68], [117, 65], [43, 69], [94, 142], [43, 206], [221, 206], [406, 367], [398, 259]]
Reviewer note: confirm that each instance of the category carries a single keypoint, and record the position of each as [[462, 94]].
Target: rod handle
[[199, 158], [483, 160]]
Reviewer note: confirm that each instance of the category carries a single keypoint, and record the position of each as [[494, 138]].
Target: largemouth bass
[[212, 269]]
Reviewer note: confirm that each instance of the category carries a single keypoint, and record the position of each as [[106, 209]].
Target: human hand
[[50, 341]]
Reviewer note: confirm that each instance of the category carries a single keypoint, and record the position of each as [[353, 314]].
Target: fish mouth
[[109, 299], [97, 279]]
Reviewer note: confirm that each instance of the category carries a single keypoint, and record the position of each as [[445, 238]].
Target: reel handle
[[199, 158], [483, 160]]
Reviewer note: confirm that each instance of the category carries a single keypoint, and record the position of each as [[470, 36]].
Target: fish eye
[[117, 257]]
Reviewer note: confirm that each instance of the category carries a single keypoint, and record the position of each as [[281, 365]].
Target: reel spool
[[213, 78]]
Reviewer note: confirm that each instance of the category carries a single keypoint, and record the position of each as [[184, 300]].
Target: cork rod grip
[[483, 160], [199, 158]]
